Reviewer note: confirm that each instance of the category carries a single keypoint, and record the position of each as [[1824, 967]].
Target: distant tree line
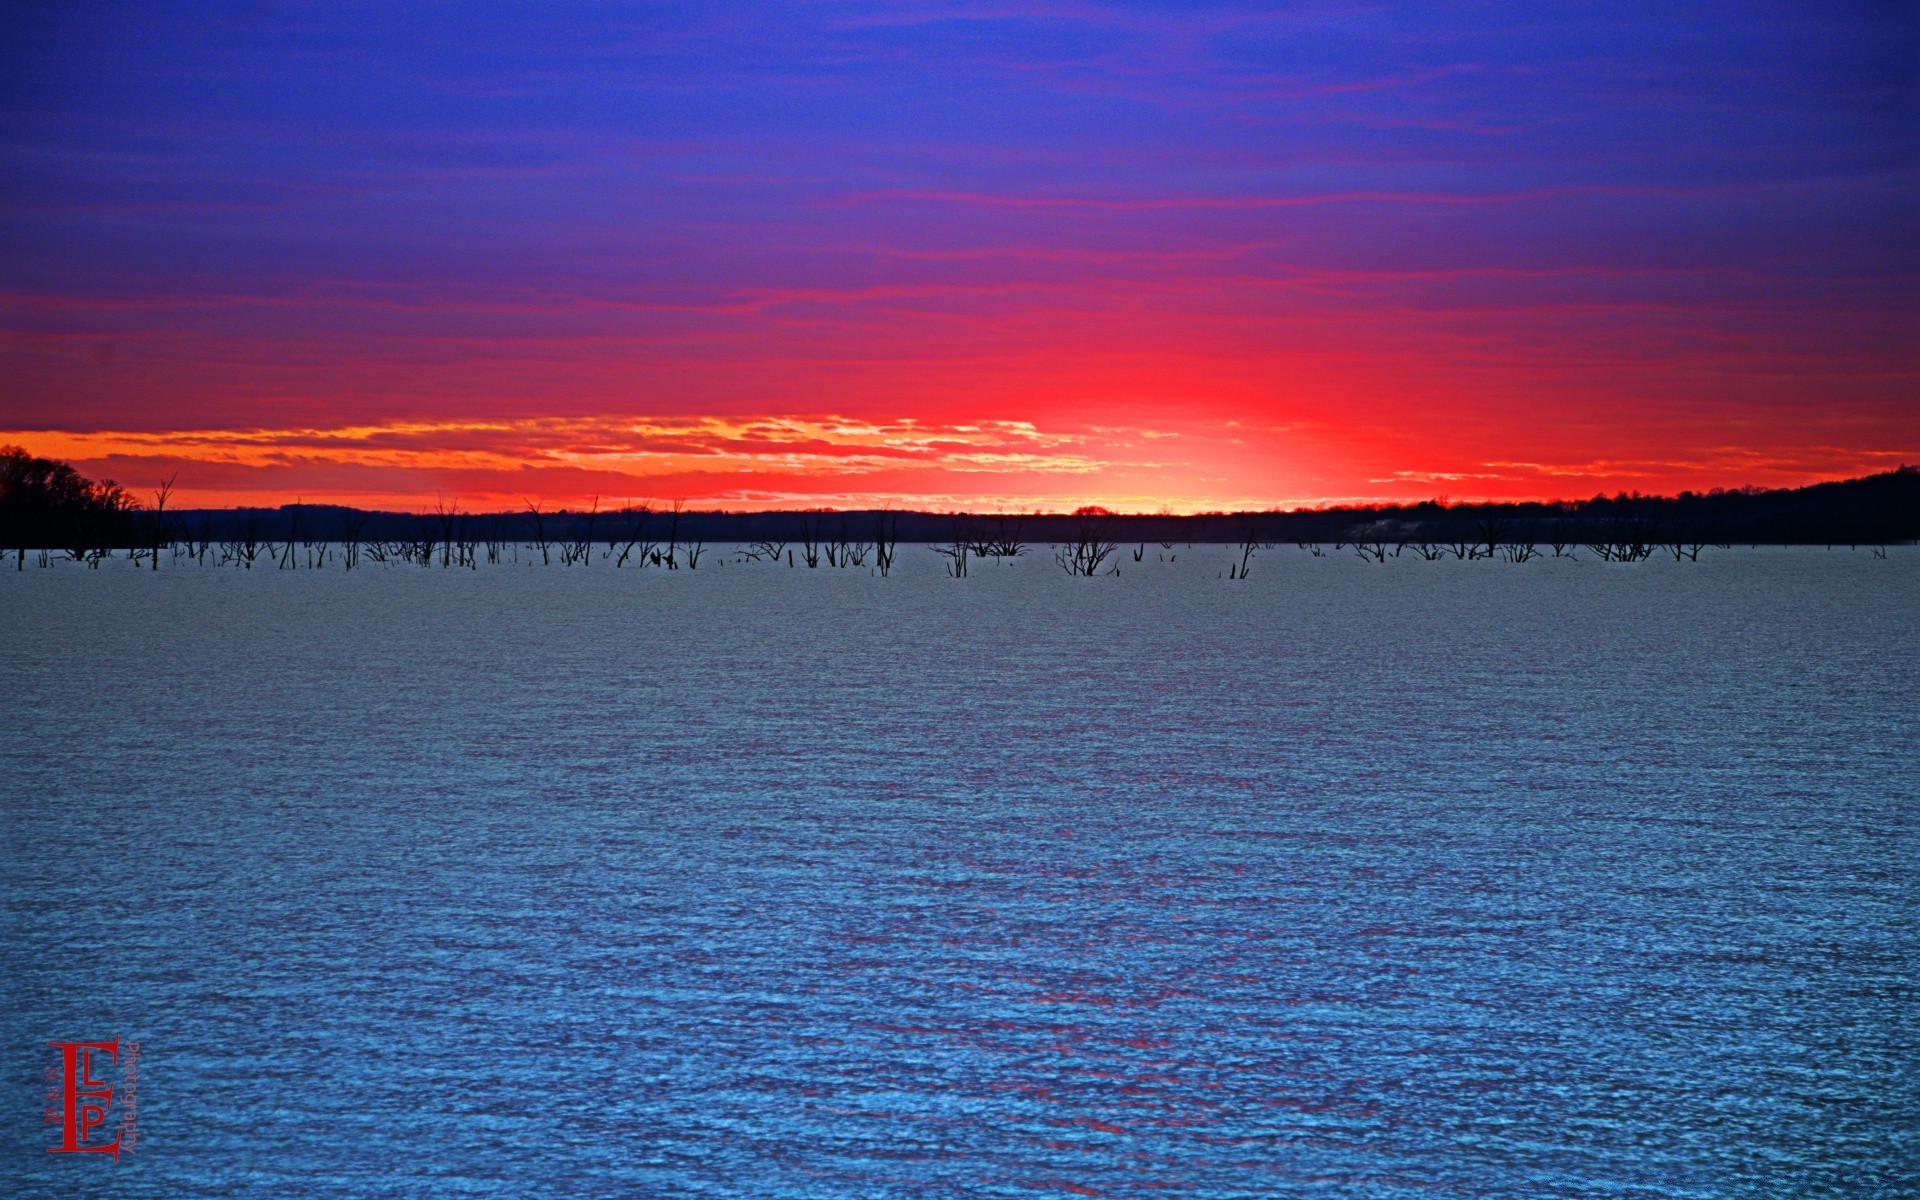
[[46, 506]]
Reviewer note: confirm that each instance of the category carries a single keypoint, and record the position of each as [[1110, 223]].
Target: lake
[[1461, 879]]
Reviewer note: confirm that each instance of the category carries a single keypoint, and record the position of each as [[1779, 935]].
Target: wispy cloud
[[1211, 253]]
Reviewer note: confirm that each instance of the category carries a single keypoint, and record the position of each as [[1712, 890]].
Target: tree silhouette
[[44, 502]]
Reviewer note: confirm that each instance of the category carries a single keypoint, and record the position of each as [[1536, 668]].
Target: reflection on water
[[1459, 879]]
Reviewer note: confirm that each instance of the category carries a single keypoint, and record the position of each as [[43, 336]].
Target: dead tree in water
[[844, 551], [287, 561], [1513, 547], [352, 524], [635, 537], [540, 534], [1628, 539], [767, 550], [670, 560], [1685, 548], [454, 529], [1491, 525], [162, 532], [425, 540], [199, 546], [246, 546], [1561, 539], [853, 552], [1370, 541], [886, 540], [956, 555], [579, 548], [616, 528], [1003, 539], [810, 540], [467, 544], [1249, 543], [1090, 544]]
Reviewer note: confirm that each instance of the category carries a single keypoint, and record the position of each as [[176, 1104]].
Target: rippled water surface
[[1415, 880]]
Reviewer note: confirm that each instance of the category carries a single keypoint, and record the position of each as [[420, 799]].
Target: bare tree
[[468, 543], [616, 529], [886, 540], [1089, 544], [495, 537], [1250, 541], [1685, 549], [352, 524], [810, 540], [426, 539], [287, 561], [540, 534], [1628, 538], [1491, 524], [956, 555], [766, 550], [635, 544], [450, 529], [1004, 538], [1561, 538], [673, 539], [244, 549], [579, 547], [204, 542], [162, 532]]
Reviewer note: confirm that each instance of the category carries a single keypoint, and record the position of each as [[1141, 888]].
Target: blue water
[[1424, 879]]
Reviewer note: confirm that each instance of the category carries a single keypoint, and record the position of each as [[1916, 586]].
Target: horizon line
[[1349, 504]]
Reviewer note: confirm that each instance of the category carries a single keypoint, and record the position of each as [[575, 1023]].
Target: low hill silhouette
[[47, 504]]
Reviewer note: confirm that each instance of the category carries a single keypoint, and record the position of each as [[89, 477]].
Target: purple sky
[[941, 254]]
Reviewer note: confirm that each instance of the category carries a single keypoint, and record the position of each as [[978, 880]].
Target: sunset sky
[[955, 254]]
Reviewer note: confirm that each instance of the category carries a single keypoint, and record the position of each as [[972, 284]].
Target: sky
[[953, 255]]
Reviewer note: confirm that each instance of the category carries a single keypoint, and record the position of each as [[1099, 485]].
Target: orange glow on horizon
[[833, 461], [979, 257]]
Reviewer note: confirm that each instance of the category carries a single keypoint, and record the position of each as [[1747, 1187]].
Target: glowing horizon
[[773, 463], [949, 256]]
